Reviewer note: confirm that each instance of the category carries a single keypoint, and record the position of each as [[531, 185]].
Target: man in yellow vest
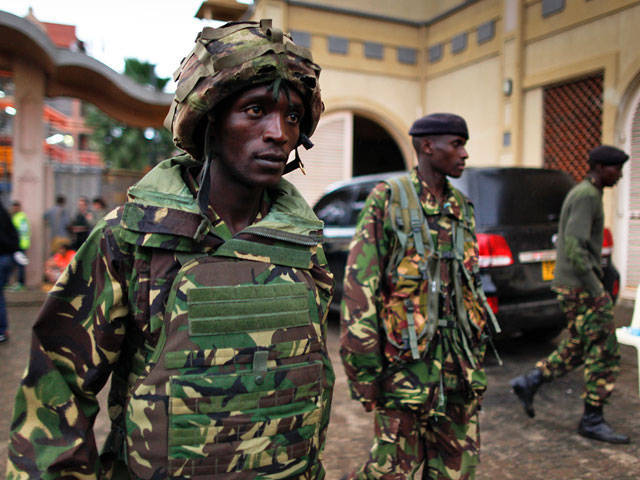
[[21, 224]]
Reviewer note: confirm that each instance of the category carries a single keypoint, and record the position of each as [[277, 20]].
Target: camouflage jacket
[[580, 232], [105, 315], [369, 284]]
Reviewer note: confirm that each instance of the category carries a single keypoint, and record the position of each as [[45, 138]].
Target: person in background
[[57, 220], [415, 322], [8, 246], [21, 224], [55, 265], [98, 209], [589, 309], [80, 225]]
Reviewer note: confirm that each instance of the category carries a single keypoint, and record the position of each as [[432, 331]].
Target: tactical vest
[[240, 378], [410, 315]]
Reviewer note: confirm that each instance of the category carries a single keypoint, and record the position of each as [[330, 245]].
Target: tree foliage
[[122, 146]]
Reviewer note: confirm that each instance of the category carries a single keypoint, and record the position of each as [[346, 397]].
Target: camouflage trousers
[[592, 342], [447, 447]]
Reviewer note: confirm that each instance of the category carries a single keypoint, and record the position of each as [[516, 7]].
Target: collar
[[163, 205], [451, 206]]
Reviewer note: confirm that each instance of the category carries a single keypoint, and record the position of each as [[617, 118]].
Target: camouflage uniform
[[215, 343], [426, 410], [588, 307], [107, 314]]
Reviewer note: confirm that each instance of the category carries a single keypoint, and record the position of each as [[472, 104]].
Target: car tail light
[[494, 251], [607, 242], [493, 303]]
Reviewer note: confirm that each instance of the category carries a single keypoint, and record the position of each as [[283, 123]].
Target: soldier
[[414, 316], [204, 297], [584, 300]]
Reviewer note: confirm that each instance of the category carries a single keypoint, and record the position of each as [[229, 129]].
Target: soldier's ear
[[426, 145]]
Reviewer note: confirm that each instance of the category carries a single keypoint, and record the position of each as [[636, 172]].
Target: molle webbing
[[232, 309], [412, 229]]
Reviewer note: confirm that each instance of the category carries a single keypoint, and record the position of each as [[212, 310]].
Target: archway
[[374, 150]]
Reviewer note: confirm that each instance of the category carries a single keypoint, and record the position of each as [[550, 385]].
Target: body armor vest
[[240, 377]]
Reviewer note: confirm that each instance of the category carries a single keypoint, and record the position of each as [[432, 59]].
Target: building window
[[435, 53], [486, 32], [338, 45], [373, 50], [301, 38], [407, 55], [459, 43], [506, 139], [551, 7]]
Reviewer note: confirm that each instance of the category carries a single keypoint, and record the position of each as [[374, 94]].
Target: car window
[[335, 209], [515, 196]]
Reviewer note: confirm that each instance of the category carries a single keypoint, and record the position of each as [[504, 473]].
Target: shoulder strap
[[411, 226], [408, 220]]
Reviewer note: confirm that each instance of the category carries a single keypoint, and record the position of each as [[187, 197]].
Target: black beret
[[440, 124], [607, 155]]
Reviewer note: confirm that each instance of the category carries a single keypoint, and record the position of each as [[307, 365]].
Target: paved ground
[[514, 446]]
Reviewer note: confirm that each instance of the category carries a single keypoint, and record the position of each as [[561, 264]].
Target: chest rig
[[240, 379], [412, 310]]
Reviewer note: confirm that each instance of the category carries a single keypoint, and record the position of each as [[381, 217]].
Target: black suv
[[517, 211]]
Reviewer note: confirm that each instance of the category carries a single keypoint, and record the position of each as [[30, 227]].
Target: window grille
[[572, 124]]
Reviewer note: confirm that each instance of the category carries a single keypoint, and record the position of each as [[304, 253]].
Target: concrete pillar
[[29, 179]]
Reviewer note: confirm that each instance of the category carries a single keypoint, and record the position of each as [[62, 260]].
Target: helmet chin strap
[[297, 161], [204, 187]]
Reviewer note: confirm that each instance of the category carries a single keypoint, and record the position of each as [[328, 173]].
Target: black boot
[[525, 386], [592, 425]]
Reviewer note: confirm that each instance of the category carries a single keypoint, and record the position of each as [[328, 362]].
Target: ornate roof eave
[[75, 74]]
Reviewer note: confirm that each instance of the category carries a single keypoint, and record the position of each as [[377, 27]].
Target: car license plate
[[548, 269]]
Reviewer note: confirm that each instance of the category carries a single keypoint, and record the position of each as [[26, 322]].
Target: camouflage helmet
[[229, 59]]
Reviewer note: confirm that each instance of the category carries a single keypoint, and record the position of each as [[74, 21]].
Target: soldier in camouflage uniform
[[203, 298], [589, 309], [425, 393]]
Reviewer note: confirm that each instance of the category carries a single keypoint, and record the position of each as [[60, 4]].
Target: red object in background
[[607, 242]]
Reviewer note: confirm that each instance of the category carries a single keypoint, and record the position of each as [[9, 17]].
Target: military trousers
[[592, 342], [447, 447]]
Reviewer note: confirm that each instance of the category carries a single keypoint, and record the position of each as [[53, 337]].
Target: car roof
[[380, 177], [361, 179]]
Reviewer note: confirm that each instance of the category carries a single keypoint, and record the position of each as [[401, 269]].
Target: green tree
[[122, 146]]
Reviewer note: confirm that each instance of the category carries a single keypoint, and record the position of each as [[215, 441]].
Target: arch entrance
[[347, 143], [374, 150]]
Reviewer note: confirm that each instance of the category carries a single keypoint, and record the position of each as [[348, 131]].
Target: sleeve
[[360, 341], [75, 342], [577, 235]]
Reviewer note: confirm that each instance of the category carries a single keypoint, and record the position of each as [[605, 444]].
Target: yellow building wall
[[413, 10], [473, 92], [532, 129], [394, 103]]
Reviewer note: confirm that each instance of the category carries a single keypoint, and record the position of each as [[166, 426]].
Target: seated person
[[61, 257]]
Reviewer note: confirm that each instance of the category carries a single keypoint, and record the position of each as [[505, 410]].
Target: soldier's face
[[447, 154], [254, 135], [610, 174]]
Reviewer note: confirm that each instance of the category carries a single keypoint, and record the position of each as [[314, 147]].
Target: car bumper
[[531, 315]]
